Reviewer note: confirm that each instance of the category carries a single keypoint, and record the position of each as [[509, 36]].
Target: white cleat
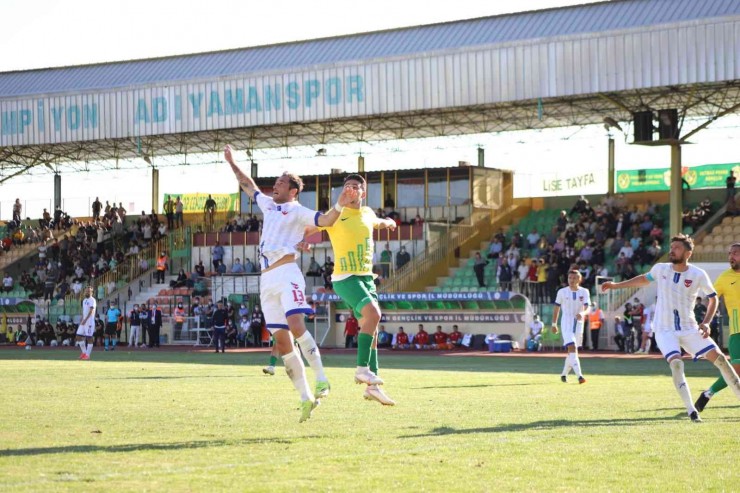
[[373, 393], [364, 375], [268, 370]]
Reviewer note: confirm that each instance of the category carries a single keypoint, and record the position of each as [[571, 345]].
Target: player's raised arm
[[245, 181], [635, 282], [347, 196]]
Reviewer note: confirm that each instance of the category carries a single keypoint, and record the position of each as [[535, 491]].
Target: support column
[[481, 157], [675, 195], [610, 190], [155, 189], [57, 192], [360, 164]]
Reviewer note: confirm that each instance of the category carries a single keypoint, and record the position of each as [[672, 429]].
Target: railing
[[457, 236]]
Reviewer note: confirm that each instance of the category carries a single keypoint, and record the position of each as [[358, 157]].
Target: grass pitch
[[179, 421]]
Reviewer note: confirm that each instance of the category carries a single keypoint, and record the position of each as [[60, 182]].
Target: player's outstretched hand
[[607, 286], [390, 224], [704, 330], [229, 156], [348, 196], [303, 246]]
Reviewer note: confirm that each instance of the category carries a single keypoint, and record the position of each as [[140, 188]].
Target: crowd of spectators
[[587, 237]]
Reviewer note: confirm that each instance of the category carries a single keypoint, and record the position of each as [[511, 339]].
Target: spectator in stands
[[217, 254], [351, 328], [237, 267], [533, 238], [17, 212], [479, 266], [421, 338], [179, 207], [181, 281], [417, 221], [162, 262], [257, 322], [386, 257], [231, 333], [7, 283], [250, 267], [328, 270], [581, 206], [244, 328], [402, 257], [401, 340], [384, 338], [440, 340], [495, 249], [730, 182], [314, 269], [200, 269], [562, 221]]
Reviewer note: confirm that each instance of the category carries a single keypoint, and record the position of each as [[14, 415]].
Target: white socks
[[311, 352], [88, 350], [728, 373], [575, 363], [297, 374], [566, 366], [679, 380], [81, 344]]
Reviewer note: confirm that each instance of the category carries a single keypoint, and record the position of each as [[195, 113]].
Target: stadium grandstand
[[492, 74]]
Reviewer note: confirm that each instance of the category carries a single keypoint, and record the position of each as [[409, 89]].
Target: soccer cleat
[[373, 393], [563, 379], [695, 417], [307, 408], [322, 389], [85, 357], [268, 370], [581, 380], [82, 356], [701, 402], [364, 375]]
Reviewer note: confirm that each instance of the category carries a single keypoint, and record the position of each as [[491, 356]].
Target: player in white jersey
[[679, 284], [573, 301], [282, 286], [647, 328], [84, 337]]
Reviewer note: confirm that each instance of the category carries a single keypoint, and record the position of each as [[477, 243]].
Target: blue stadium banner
[[456, 317], [460, 296]]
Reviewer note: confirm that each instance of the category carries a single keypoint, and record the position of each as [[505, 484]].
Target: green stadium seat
[[404, 305], [419, 305], [437, 305], [470, 305]]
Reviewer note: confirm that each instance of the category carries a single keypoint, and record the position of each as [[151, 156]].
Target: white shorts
[[86, 330], [670, 342], [647, 329], [282, 293], [572, 335]]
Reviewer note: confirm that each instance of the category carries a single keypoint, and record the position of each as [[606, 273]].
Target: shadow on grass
[[179, 377], [557, 424], [478, 386], [389, 360], [134, 447]]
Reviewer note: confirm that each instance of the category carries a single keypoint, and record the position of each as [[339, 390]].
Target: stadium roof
[[563, 21]]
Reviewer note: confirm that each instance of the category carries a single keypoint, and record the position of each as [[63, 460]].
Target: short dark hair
[[294, 181], [687, 241], [355, 177]]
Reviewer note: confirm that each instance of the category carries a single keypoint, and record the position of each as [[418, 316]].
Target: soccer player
[[282, 285], [674, 325], [87, 325], [728, 287], [573, 300], [352, 241]]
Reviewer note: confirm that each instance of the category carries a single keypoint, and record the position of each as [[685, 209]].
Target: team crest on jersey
[[285, 213], [580, 298], [687, 283]]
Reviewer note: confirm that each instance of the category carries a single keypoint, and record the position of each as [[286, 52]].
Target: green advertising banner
[[196, 202], [659, 179]]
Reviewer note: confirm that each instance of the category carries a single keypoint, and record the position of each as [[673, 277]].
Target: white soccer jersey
[[282, 228], [677, 293], [571, 303], [87, 304], [649, 314]]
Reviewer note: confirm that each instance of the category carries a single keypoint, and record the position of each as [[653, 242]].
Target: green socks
[[718, 385], [374, 360], [273, 360], [364, 341]]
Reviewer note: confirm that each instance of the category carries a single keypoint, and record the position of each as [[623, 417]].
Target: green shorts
[[734, 346], [356, 291]]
